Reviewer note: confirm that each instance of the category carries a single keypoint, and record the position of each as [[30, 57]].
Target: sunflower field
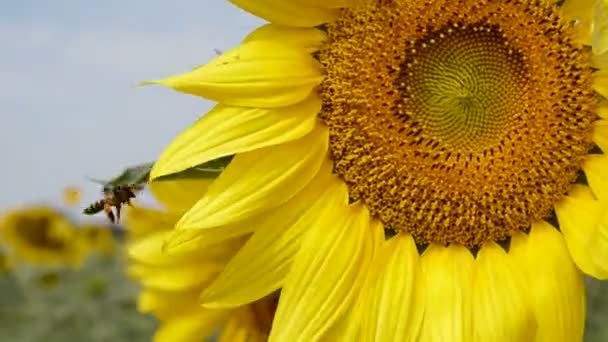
[[368, 170]]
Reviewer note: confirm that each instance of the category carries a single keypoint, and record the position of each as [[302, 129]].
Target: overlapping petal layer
[[394, 288], [502, 308], [555, 285], [580, 217], [271, 249], [308, 39], [448, 290], [326, 273], [291, 13], [259, 73], [227, 130], [257, 181]]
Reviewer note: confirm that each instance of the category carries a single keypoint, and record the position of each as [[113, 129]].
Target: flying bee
[[114, 197], [120, 191]]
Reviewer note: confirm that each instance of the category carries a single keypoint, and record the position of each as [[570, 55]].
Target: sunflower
[[471, 132], [71, 196], [6, 264], [172, 283], [41, 235], [97, 238]]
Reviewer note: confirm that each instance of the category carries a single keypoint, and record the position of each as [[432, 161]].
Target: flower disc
[[457, 121]]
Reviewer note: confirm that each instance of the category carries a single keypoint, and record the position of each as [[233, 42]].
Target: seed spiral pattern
[[457, 121]]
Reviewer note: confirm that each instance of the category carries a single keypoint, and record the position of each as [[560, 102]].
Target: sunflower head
[[97, 238], [41, 235], [474, 131], [454, 122]]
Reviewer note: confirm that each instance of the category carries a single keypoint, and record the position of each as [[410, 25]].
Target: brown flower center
[[37, 232], [457, 121]]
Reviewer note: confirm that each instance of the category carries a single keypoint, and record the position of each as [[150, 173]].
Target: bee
[[114, 197], [119, 191]]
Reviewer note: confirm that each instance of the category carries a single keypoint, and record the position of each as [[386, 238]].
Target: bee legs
[[118, 207], [108, 209]]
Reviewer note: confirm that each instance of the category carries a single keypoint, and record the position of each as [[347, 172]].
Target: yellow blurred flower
[[41, 235], [71, 196], [6, 264], [97, 238], [172, 283]]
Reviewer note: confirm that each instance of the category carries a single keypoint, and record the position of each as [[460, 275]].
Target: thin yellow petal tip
[[149, 82]]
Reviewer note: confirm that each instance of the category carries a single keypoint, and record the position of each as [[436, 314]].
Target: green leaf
[[139, 174], [210, 169]]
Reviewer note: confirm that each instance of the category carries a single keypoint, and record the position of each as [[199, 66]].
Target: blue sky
[[67, 101]]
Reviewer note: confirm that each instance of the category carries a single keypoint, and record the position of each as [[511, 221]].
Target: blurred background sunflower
[[41, 235], [171, 285]]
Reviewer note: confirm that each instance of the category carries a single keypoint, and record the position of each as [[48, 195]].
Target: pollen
[[457, 121]]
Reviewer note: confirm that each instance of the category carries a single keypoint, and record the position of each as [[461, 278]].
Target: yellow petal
[[197, 326], [227, 130], [245, 325], [149, 251], [184, 242], [271, 249], [348, 328], [141, 221], [188, 241], [600, 61], [600, 134], [328, 3], [167, 304], [602, 110], [257, 181], [600, 27], [234, 330], [555, 284], [502, 308], [448, 287], [309, 39], [259, 73], [290, 13], [600, 82], [180, 194], [175, 278], [394, 298], [579, 218], [582, 12], [598, 244], [325, 275], [596, 171]]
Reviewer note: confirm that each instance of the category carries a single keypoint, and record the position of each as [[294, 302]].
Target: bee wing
[[137, 174], [98, 181]]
